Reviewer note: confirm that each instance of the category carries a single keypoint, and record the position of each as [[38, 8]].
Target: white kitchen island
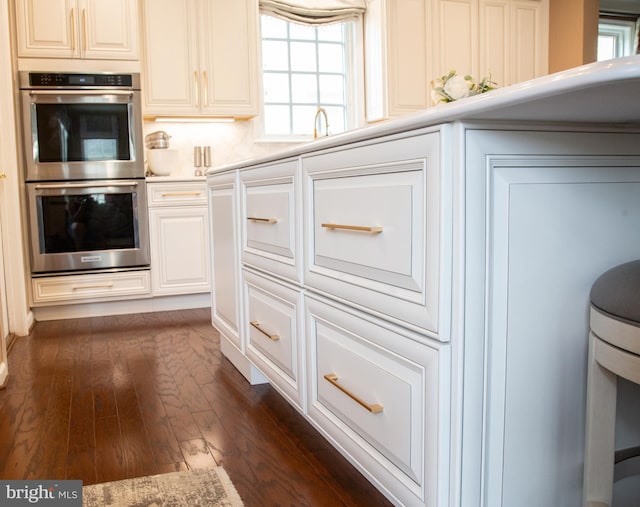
[[419, 289]]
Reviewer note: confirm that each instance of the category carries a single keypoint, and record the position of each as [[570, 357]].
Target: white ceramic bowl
[[162, 162]]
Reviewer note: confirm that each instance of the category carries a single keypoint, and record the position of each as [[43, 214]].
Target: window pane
[[305, 88], [332, 32], [303, 56], [274, 55], [273, 27], [330, 58], [331, 89], [306, 32], [336, 119], [303, 119], [276, 87], [276, 120], [606, 47]]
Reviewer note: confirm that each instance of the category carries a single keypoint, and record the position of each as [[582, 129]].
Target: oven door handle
[[88, 184], [80, 92]]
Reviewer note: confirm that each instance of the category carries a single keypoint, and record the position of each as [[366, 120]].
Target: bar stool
[[614, 351]]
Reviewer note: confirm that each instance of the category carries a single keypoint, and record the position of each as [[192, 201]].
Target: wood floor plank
[[151, 393], [110, 461]]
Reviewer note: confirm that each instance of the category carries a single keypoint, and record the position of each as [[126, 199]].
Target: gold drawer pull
[[256, 324], [332, 378], [263, 220], [97, 286], [373, 230], [180, 194]]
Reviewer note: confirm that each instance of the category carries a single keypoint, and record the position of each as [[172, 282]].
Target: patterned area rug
[[210, 487]]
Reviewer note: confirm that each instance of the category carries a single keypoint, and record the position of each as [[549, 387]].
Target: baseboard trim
[[148, 305]]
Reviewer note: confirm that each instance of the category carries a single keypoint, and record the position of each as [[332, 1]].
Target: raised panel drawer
[[177, 193], [271, 219], [375, 392], [373, 227], [90, 287], [274, 328]]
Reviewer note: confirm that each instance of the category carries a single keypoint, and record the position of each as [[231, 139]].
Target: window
[[616, 38], [305, 68]]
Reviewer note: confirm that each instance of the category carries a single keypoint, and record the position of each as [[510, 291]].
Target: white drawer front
[[271, 219], [371, 227], [178, 193], [372, 236], [268, 219], [375, 392], [273, 332], [91, 287]]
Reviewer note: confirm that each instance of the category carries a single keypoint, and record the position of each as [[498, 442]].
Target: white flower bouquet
[[453, 87]]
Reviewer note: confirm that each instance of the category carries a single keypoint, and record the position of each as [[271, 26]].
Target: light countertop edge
[[601, 92]]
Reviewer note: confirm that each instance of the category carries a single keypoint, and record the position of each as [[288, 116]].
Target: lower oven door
[[88, 225]]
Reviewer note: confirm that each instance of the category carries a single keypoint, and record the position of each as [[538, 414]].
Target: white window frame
[[623, 31], [354, 90]]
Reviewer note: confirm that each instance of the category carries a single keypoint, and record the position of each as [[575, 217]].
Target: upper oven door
[[82, 134]]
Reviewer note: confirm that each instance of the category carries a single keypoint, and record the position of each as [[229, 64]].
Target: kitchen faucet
[[315, 123]]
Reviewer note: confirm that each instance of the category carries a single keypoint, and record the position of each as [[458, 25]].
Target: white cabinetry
[[273, 327], [377, 393], [88, 288], [90, 29], [223, 217], [409, 43], [396, 54], [504, 39], [350, 332], [200, 57], [179, 235], [372, 218]]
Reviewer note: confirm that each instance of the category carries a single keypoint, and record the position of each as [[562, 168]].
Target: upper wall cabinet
[[200, 57], [409, 43], [90, 29], [506, 40], [396, 57]]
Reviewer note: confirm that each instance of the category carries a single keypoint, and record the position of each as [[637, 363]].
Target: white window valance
[[314, 12]]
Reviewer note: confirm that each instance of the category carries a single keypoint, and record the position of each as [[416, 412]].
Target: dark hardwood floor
[[109, 398]]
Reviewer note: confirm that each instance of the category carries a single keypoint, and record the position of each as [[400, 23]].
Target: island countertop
[[601, 92]]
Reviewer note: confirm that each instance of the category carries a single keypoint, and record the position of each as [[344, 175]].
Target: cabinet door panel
[[180, 253], [225, 309], [171, 77], [109, 28], [47, 28], [228, 57]]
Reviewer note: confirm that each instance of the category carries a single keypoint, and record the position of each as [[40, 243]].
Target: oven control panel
[[69, 80]]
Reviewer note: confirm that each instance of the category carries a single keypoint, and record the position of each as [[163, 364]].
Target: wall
[[230, 142], [573, 33]]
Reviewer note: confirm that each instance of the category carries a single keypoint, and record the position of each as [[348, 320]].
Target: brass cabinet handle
[[97, 286], [205, 85], [373, 230], [195, 83], [73, 29], [263, 220], [3, 176], [256, 324], [84, 28], [375, 408], [179, 194]]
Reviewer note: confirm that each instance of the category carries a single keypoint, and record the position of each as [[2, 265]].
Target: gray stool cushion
[[617, 292]]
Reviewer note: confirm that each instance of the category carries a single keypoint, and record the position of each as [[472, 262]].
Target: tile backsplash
[[230, 142]]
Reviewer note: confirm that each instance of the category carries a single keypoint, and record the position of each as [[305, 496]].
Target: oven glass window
[[82, 132], [87, 222]]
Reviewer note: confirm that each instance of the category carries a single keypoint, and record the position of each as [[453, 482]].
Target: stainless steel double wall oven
[[86, 194]]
